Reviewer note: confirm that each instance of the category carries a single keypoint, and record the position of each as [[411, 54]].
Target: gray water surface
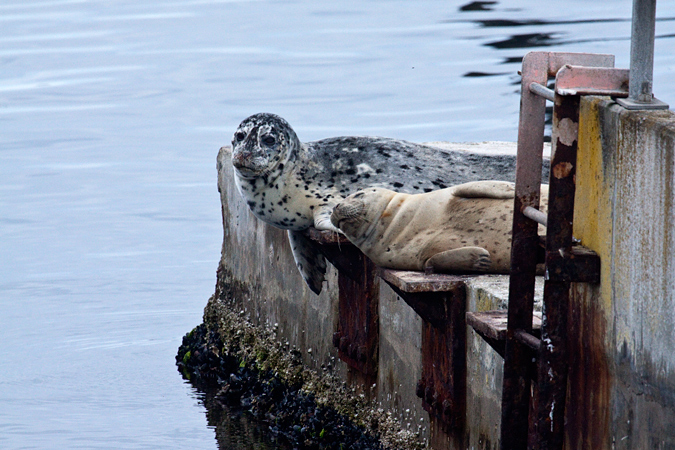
[[111, 115]]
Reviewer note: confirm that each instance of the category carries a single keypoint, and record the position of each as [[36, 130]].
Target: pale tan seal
[[464, 228]]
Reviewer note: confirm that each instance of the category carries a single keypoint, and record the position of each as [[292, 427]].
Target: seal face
[[263, 149], [293, 185], [461, 228], [257, 144]]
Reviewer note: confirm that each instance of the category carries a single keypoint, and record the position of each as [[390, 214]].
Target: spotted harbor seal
[[461, 228], [293, 185]]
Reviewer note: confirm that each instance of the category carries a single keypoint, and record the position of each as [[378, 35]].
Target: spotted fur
[[293, 185]]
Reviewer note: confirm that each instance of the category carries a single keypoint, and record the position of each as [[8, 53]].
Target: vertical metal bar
[[642, 58], [455, 410], [442, 387], [443, 384], [357, 334], [642, 50], [553, 361], [516, 391]]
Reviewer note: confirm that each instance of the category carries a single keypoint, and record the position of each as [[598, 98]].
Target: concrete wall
[[622, 380], [257, 271]]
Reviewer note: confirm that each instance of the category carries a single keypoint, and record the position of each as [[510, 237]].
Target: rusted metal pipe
[[525, 241], [553, 355], [528, 339]]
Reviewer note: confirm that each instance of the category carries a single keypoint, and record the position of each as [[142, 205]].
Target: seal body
[[294, 185], [461, 228]]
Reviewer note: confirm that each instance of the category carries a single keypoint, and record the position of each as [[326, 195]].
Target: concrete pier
[[621, 391]]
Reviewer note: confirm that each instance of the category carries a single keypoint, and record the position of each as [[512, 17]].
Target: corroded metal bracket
[[491, 326], [576, 264], [440, 300], [358, 328]]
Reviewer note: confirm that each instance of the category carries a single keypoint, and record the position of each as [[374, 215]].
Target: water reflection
[[529, 40], [523, 23], [478, 6], [234, 430]]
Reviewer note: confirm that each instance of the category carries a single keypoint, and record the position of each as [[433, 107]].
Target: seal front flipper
[[311, 264], [472, 259], [486, 189], [322, 218]]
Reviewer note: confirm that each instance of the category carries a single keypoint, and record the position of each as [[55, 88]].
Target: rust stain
[[357, 336], [442, 387], [590, 381], [562, 170], [443, 384]]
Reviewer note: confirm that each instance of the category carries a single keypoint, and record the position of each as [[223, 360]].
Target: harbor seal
[[294, 186], [464, 228]]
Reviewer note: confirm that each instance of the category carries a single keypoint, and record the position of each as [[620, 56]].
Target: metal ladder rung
[[536, 215], [491, 326], [542, 91]]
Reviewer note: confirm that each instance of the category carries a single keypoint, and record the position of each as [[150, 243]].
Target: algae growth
[[255, 374]]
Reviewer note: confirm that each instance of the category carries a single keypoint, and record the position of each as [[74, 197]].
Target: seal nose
[[239, 160], [336, 215], [244, 154]]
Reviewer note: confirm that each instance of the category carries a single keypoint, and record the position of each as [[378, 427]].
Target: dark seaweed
[[294, 417]]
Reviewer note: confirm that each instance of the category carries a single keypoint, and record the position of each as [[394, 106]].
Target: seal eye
[[269, 141], [239, 136]]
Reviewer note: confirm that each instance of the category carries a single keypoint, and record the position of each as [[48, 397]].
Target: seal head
[[359, 214], [261, 144]]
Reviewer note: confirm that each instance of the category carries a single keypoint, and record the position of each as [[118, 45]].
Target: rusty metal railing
[[576, 74]]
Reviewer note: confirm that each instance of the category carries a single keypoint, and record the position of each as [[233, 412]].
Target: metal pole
[[642, 58]]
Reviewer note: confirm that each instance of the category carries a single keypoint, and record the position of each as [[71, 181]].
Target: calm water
[[111, 114]]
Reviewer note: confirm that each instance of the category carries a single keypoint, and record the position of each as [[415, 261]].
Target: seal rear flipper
[[464, 259], [486, 189], [311, 264]]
